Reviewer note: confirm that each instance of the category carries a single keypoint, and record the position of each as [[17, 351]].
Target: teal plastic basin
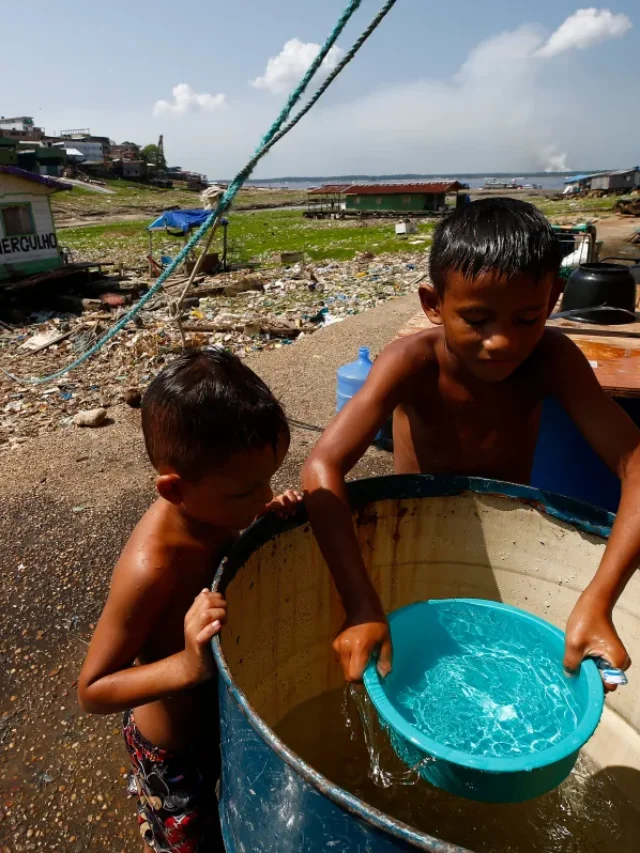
[[461, 662]]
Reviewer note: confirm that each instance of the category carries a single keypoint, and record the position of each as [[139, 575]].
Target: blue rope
[[341, 65], [275, 132]]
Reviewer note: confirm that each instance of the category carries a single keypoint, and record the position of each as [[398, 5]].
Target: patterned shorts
[[177, 806]]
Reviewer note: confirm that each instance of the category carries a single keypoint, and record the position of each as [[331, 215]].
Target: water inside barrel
[[586, 814]]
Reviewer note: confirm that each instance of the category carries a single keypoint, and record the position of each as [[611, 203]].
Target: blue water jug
[[351, 377]]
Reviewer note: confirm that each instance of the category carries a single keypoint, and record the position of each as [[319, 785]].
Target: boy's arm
[[323, 478], [109, 682], [616, 439]]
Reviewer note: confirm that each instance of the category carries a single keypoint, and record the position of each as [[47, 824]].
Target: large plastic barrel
[[565, 463], [421, 537]]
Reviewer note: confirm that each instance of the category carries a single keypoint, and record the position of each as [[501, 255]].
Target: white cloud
[[287, 68], [505, 108], [585, 28], [185, 100]]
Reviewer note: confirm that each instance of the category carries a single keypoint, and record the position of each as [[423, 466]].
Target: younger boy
[[466, 398], [216, 436]]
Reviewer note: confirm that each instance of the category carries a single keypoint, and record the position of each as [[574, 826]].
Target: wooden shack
[[391, 199], [28, 241], [622, 180], [326, 200]]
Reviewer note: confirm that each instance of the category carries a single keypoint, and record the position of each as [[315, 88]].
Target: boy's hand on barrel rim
[[284, 505], [203, 621], [590, 632], [358, 641]]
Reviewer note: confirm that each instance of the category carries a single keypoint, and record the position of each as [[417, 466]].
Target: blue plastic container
[[429, 632], [352, 376], [566, 464]]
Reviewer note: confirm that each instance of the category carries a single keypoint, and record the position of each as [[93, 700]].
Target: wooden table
[[613, 351]]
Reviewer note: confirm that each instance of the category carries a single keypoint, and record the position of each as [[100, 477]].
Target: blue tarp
[[576, 179], [179, 220]]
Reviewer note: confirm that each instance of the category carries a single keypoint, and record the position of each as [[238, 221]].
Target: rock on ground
[[90, 418]]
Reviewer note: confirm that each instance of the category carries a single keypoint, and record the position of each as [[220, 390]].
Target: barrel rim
[[602, 266], [585, 517], [589, 718]]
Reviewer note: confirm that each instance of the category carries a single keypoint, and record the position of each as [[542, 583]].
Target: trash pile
[[629, 205], [244, 311]]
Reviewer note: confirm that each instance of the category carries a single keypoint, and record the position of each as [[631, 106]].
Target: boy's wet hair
[[204, 407], [503, 235]]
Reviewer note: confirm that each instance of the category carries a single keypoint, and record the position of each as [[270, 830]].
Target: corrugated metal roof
[[325, 189], [427, 188], [625, 171], [51, 183], [575, 178]]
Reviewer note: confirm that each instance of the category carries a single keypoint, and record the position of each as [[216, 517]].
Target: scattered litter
[[330, 319], [629, 205], [245, 310], [405, 227], [40, 340], [291, 257]]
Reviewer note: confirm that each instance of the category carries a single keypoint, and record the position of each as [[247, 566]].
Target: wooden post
[[225, 247], [176, 307]]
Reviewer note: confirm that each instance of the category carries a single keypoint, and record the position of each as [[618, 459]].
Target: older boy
[[466, 398]]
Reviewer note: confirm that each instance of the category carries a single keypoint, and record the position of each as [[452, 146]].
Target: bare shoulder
[[555, 342], [558, 349], [560, 361], [149, 560], [413, 353]]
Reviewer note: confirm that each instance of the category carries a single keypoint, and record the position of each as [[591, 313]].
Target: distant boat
[[513, 184], [495, 184]]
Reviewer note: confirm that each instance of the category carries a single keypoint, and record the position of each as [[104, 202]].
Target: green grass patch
[[128, 197], [263, 236], [583, 207], [252, 237]]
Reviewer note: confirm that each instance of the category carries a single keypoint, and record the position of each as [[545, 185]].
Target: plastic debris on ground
[[245, 311]]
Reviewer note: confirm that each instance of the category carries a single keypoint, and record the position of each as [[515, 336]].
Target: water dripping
[[385, 769]]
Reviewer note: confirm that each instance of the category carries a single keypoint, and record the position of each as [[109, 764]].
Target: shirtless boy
[[216, 436], [466, 399]]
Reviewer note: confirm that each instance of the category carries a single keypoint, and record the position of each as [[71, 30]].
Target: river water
[[546, 180]]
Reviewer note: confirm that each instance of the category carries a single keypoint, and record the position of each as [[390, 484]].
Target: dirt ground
[[68, 502], [614, 231], [123, 200]]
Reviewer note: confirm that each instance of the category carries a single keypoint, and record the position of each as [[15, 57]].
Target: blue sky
[[466, 85]]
